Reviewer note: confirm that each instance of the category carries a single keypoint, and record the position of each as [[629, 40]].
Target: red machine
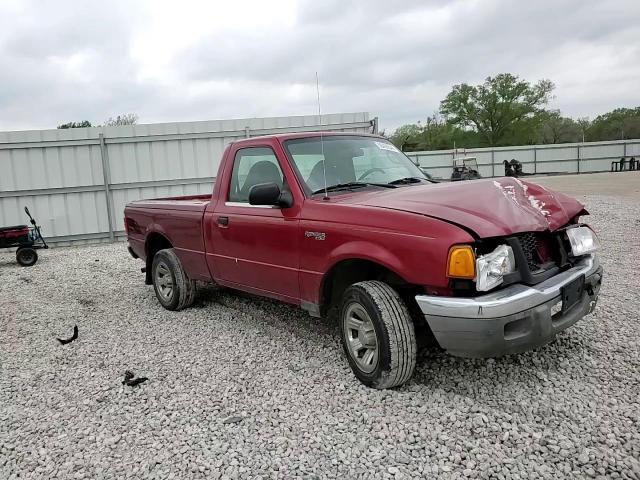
[[26, 239]]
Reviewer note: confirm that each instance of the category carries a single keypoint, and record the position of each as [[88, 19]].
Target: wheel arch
[[154, 242], [347, 271]]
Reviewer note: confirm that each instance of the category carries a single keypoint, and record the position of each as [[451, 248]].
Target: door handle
[[223, 221]]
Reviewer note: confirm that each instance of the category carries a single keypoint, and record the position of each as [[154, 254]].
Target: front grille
[[529, 244], [538, 250]]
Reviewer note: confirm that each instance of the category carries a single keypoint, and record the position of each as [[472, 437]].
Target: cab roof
[[289, 136]]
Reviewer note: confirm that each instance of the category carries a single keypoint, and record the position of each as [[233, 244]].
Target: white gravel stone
[[569, 409]]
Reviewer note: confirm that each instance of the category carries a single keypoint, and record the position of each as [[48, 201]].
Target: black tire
[[166, 269], [394, 330], [26, 256]]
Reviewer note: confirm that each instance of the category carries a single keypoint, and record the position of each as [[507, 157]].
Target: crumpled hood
[[490, 208]]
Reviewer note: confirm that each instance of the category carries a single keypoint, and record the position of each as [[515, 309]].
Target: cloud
[[188, 60]]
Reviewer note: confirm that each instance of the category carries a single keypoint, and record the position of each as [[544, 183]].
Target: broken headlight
[[492, 267], [582, 240]]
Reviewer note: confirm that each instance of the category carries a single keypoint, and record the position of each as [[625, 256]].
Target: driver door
[[255, 247]]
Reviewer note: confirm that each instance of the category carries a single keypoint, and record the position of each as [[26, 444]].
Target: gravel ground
[[243, 387]]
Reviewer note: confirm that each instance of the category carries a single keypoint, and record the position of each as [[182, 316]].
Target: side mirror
[[269, 194]]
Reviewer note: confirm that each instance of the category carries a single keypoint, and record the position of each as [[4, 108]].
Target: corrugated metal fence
[[76, 182], [568, 157]]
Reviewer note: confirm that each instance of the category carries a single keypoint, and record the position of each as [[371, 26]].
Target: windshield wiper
[[407, 180], [348, 185]]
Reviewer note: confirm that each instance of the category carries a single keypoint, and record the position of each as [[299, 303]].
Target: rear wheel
[[378, 335], [173, 288], [26, 256]]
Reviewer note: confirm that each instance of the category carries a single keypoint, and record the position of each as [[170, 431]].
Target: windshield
[[366, 160]]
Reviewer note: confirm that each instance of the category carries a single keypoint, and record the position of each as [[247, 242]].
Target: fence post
[[493, 163], [246, 132], [106, 177], [535, 160], [374, 125], [578, 158]]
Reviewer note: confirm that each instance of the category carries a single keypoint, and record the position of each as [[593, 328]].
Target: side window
[[253, 166]]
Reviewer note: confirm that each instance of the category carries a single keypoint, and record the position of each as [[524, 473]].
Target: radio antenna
[[324, 166]]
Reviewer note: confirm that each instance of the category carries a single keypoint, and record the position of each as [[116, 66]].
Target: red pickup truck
[[324, 220]]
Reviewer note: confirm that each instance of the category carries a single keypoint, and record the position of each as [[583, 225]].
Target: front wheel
[[378, 335], [173, 288], [26, 256]]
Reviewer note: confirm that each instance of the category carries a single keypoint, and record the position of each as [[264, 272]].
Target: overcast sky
[[182, 60]]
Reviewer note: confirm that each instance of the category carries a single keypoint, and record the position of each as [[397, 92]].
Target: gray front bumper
[[511, 320]]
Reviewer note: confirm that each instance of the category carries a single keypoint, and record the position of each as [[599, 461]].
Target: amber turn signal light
[[461, 262]]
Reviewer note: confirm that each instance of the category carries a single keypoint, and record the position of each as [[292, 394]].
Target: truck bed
[[181, 220], [187, 202]]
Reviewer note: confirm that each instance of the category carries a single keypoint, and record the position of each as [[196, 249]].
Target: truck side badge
[[315, 235]]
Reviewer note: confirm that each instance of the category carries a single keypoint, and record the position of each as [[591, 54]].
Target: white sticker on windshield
[[386, 146]]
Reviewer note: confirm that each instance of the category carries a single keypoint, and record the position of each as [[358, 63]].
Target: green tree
[[434, 134], [125, 119], [554, 128], [584, 125], [437, 134], [82, 124], [406, 135], [495, 108], [618, 124]]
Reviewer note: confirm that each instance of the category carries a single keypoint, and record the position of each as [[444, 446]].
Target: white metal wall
[[568, 158], [76, 182]]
